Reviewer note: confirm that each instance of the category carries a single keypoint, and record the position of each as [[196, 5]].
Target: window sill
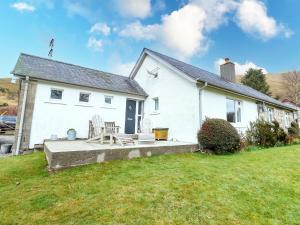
[[55, 102], [155, 113], [107, 107], [83, 105]]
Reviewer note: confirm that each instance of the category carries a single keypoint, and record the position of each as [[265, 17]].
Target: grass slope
[[10, 98], [259, 187]]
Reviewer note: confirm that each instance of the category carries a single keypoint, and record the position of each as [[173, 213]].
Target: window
[[238, 112], [156, 104], [140, 115], [84, 97], [56, 94], [270, 115], [108, 99], [234, 111], [287, 119]]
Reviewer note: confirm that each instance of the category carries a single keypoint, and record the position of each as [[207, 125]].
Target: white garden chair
[[146, 136], [96, 129]]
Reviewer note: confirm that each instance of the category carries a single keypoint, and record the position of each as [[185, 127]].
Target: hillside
[[275, 81], [8, 92]]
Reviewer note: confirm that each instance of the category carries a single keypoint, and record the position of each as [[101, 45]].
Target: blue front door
[[130, 116]]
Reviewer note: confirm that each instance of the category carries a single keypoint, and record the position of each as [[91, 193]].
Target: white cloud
[[123, 68], [240, 69], [252, 17], [95, 44], [77, 8], [216, 11], [183, 31], [23, 7], [186, 31], [140, 32], [100, 28], [134, 8]]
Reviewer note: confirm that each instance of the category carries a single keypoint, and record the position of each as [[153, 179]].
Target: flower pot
[[71, 134]]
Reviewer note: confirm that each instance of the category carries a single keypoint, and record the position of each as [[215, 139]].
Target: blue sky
[[110, 35]]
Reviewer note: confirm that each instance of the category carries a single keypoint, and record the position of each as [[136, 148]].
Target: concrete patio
[[63, 154]]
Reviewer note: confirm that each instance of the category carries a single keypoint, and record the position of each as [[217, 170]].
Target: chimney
[[228, 70]]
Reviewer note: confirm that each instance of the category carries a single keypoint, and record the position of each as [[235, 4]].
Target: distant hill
[[8, 92], [276, 84]]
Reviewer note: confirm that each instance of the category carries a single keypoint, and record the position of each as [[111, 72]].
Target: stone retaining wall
[[59, 160]]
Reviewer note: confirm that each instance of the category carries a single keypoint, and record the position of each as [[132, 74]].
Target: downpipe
[[20, 131], [200, 103], [200, 109]]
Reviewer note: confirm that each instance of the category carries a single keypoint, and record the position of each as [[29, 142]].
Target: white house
[[56, 96]]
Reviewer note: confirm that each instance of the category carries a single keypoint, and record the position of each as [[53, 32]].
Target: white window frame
[[140, 114], [237, 105], [287, 119], [111, 100], [85, 93], [156, 104], [270, 114], [55, 99]]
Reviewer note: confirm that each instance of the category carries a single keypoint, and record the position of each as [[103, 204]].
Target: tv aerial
[[153, 72], [51, 46]]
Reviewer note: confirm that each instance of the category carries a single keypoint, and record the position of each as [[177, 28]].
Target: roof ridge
[[71, 64], [184, 63], [215, 76]]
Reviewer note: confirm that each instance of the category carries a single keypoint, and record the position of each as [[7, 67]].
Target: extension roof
[[52, 70]]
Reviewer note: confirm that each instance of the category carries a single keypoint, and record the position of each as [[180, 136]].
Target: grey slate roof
[[216, 81], [51, 70]]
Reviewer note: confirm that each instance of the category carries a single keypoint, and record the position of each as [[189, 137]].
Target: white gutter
[[21, 123], [200, 103]]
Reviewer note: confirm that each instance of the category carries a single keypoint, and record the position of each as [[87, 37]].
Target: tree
[[256, 79], [291, 86]]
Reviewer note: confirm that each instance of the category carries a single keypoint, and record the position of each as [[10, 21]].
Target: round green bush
[[219, 136], [294, 129]]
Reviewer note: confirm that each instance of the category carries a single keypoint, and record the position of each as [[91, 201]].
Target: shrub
[[260, 134], [294, 129], [219, 136], [280, 134], [265, 134]]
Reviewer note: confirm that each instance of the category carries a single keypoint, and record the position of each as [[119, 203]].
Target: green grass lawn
[[258, 187]]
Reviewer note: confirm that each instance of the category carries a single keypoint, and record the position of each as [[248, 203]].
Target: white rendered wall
[[178, 101], [214, 106], [55, 118]]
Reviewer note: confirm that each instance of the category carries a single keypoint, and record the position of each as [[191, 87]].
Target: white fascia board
[[137, 65], [174, 69]]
